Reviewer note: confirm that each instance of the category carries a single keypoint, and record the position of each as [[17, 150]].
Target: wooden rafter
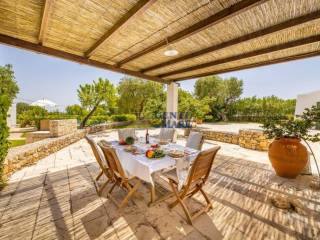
[[47, 9], [253, 65], [260, 33], [254, 53], [223, 15], [71, 57], [139, 8]]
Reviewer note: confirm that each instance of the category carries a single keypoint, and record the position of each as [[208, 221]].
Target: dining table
[[138, 165]]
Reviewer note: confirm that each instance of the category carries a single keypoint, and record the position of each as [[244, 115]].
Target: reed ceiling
[[130, 36]]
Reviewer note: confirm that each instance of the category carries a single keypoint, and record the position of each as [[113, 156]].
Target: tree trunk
[[84, 121], [140, 110], [223, 116]]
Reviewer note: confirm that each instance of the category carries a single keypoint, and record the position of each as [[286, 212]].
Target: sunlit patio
[[57, 199]]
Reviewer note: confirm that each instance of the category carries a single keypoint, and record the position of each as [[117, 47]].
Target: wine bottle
[[147, 137]]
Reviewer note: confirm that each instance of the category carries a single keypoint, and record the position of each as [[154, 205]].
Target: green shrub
[[208, 118], [123, 117], [32, 116], [8, 91], [156, 122], [93, 120]]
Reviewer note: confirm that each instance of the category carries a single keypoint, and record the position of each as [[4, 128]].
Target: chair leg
[[99, 175], [103, 186], [131, 192], [113, 186], [209, 204], [184, 207], [173, 204]]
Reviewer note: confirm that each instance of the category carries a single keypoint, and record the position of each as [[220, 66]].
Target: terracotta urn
[[288, 156]]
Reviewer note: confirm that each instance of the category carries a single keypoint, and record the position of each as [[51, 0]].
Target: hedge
[[123, 117]]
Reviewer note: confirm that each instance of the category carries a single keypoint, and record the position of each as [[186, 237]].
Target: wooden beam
[[248, 37], [283, 46], [139, 8], [71, 57], [47, 9], [253, 65], [223, 15]]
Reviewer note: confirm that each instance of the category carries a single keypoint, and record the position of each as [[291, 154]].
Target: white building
[[12, 116], [307, 100]]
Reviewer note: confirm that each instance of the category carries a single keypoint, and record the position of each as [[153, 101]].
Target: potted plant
[[287, 154]]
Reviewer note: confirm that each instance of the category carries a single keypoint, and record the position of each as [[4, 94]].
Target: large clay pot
[[288, 157]]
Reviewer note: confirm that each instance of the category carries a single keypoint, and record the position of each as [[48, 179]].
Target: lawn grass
[[17, 142]]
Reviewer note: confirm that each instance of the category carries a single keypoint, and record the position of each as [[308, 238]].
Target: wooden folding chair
[[120, 177], [196, 179], [195, 140], [104, 169]]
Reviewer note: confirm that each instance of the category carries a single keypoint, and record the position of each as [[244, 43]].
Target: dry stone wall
[[253, 139], [59, 128], [246, 138], [28, 154], [228, 137]]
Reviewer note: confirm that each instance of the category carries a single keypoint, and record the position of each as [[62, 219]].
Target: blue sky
[[40, 76]]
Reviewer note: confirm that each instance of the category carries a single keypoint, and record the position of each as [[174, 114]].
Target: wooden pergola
[[130, 36]]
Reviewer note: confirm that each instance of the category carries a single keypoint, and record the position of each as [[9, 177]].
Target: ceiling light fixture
[[170, 52]]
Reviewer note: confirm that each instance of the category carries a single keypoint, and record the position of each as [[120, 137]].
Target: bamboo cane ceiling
[[130, 36]]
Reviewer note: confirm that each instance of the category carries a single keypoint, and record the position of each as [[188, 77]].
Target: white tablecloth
[[143, 167]]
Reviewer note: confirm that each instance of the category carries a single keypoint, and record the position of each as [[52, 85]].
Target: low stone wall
[[28, 154], [52, 128], [37, 136], [62, 127], [45, 125], [253, 139], [246, 138], [228, 137], [105, 126]]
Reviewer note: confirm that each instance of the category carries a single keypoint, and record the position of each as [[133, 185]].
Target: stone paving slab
[[56, 199]]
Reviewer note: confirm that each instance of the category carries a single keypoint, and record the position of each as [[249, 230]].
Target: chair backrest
[[195, 140], [201, 166], [97, 152], [113, 161], [126, 132], [169, 134]]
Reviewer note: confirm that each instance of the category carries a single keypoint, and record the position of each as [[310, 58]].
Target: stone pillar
[[172, 105]]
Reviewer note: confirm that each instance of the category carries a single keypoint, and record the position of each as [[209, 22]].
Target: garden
[[143, 103], [213, 100]]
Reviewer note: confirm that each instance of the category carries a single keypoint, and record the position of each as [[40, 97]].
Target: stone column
[[172, 105]]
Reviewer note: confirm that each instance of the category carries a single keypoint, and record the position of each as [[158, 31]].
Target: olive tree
[[91, 96]]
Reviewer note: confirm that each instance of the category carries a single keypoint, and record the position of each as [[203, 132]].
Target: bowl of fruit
[[155, 146], [127, 141], [155, 153]]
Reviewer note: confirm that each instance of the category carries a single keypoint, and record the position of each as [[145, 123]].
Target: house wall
[[12, 116], [306, 101]]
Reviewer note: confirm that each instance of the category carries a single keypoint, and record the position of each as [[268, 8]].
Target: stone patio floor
[[56, 199]]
